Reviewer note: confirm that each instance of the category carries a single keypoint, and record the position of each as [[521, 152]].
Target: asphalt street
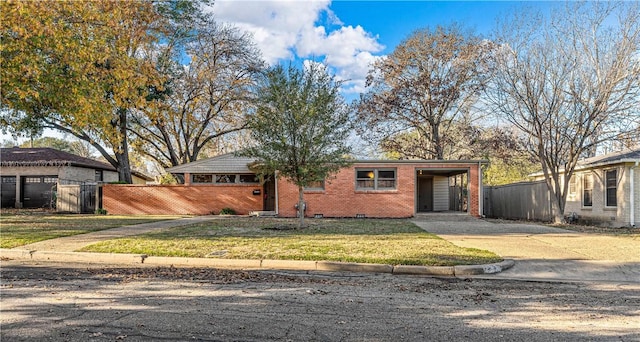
[[82, 302]]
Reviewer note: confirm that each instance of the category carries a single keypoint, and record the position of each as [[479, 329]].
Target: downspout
[[632, 215], [275, 180], [480, 191]]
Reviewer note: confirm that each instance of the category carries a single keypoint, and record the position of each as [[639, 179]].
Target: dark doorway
[[269, 193], [8, 191], [425, 194], [39, 191]]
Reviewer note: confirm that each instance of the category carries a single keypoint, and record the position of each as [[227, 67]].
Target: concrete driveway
[[543, 252]]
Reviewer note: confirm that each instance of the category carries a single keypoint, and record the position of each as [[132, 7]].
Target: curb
[[250, 264]]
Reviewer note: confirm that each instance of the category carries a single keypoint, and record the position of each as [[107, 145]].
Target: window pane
[[611, 179], [586, 198], [387, 174], [387, 184], [365, 184], [365, 174], [248, 179], [202, 178], [225, 178], [612, 200]]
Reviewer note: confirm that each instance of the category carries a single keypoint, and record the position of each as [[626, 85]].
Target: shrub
[[227, 211]]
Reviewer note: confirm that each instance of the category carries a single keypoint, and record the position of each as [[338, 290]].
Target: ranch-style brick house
[[367, 188]]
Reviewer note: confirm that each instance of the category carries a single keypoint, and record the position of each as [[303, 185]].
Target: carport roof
[[44, 156]]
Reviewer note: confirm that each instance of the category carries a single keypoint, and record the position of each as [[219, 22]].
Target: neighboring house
[[380, 188], [31, 176], [605, 189]]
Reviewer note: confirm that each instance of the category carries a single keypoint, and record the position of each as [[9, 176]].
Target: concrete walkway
[[75, 242], [543, 252]]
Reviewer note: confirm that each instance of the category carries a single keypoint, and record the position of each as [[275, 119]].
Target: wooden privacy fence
[[523, 201], [77, 198]]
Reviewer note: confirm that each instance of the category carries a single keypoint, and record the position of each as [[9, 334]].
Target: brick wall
[[341, 199], [180, 199]]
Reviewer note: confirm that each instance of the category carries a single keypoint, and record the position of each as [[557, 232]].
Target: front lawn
[[18, 229], [348, 240]]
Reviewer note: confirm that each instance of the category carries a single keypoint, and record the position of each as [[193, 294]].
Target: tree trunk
[[122, 154], [301, 206]]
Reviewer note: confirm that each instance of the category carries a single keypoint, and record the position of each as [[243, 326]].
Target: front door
[[269, 193], [425, 194]]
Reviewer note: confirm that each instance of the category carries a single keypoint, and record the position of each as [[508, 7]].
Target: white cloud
[[286, 30]]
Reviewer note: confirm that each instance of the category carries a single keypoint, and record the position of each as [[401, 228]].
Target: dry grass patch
[[18, 229], [348, 240]]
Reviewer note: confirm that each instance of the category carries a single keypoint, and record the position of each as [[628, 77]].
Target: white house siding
[[440, 193], [599, 214], [636, 190]]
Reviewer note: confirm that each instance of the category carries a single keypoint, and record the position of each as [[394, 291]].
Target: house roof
[[230, 163], [620, 157], [44, 156], [226, 163], [626, 156]]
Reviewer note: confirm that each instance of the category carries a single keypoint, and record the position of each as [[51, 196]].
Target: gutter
[[632, 212]]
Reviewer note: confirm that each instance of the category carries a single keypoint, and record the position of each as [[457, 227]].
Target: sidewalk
[[543, 252]]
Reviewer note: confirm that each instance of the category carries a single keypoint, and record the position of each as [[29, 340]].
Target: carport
[[440, 190]]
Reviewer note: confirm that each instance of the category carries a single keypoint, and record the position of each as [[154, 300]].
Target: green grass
[[348, 240], [22, 229]]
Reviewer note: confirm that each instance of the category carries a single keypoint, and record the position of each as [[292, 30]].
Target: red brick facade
[[341, 199], [338, 199], [180, 199]]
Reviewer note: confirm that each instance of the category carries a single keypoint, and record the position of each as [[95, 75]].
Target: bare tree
[[208, 98], [569, 81], [420, 88]]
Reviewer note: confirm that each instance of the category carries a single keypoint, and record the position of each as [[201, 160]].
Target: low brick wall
[[180, 199]]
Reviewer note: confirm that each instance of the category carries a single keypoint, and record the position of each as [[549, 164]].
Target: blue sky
[[349, 35]]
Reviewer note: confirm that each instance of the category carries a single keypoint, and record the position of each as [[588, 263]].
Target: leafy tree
[[207, 99], [421, 88], [79, 67], [569, 82], [300, 126]]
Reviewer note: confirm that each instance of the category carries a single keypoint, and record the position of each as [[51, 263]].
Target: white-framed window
[[376, 178], [611, 187], [587, 190]]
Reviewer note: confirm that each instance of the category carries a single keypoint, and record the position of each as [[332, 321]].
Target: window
[[587, 190], [32, 180], [248, 178], [50, 180], [611, 184], [573, 185], [225, 179], [202, 178], [317, 185], [99, 176], [375, 179]]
